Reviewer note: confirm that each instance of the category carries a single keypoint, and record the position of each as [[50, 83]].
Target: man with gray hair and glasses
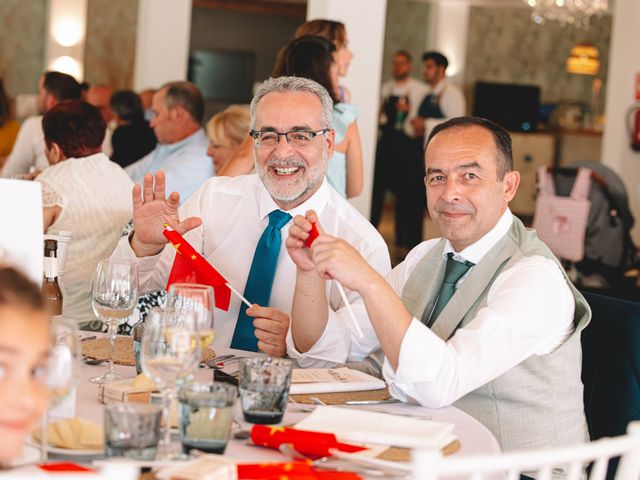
[[181, 152], [238, 224]]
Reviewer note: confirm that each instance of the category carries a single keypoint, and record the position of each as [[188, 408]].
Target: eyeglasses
[[299, 138]]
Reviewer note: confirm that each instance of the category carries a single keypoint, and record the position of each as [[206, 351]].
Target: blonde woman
[[230, 144]]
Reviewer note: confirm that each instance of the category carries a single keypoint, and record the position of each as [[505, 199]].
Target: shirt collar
[[172, 147], [476, 251], [439, 88], [316, 202]]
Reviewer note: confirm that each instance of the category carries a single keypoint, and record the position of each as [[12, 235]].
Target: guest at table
[[24, 346], [483, 318], [238, 223], [181, 152], [8, 126], [99, 96], [133, 138], [314, 57], [82, 192], [230, 146]]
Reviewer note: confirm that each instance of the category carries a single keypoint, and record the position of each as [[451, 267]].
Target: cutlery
[[371, 402]]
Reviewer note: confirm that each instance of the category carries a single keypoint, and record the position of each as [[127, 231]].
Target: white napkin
[[331, 380], [350, 425]]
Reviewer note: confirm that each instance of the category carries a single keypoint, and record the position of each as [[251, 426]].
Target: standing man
[[237, 223], [483, 318], [27, 156], [401, 98], [181, 152], [99, 96]]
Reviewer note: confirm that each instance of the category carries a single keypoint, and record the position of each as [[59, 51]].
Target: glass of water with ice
[[264, 388]]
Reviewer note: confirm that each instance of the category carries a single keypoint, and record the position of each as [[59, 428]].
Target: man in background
[[99, 96], [181, 152], [27, 156]]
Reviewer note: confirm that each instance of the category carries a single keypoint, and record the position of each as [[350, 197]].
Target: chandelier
[[572, 12]]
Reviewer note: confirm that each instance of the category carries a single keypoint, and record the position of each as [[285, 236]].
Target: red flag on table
[[191, 267], [289, 471], [309, 443]]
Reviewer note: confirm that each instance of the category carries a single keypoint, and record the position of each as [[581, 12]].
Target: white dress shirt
[[234, 213], [451, 101], [529, 311], [185, 163], [28, 151], [414, 89]]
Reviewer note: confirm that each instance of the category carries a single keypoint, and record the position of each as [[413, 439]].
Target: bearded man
[[238, 223]]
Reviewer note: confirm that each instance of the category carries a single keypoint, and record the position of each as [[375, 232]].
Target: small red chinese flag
[[309, 443], [299, 470], [313, 234], [191, 267]]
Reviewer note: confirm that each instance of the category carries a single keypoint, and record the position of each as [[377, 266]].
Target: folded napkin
[[206, 467], [330, 380], [74, 434], [350, 425]]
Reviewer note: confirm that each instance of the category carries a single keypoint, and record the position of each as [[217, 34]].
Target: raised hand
[[151, 211], [298, 234]]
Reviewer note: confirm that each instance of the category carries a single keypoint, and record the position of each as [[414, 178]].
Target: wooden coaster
[[396, 454], [341, 397], [98, 349]]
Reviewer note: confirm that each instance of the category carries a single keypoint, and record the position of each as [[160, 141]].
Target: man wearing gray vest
[[483, 318]]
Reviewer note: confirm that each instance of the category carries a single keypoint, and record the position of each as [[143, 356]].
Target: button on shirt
[[235, 212], [529, 311], [185, 163]]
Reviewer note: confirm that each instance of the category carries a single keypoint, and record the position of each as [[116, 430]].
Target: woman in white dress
[[85, 193]]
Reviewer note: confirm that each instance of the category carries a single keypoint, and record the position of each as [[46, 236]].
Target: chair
[[540, 464]]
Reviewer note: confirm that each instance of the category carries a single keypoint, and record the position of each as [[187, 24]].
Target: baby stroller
[[608, 252]]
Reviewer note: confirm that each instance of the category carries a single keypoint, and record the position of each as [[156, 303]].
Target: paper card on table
[[360, 426], [331, 380]]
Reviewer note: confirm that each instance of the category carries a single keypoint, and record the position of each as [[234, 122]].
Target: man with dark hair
[[483, 318], [181, 153], [27, 156]]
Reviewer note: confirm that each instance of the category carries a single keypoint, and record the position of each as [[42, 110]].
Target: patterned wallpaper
[[506, 46], [406, 28], [22, 31], [111, 42]]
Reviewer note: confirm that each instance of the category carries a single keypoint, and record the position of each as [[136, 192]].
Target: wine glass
[[61, 370], [115, 296], [169, 356], [199, 300]]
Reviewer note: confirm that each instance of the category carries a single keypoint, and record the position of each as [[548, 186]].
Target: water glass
[[206, 416], [264, 388], [132, 430]]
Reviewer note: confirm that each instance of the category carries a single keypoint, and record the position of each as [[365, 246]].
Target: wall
[[506, 46], [405, 28], [22, 32], [624, 66], [111, 42]]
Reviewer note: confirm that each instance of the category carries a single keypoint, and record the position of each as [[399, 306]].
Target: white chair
[[539, 464]]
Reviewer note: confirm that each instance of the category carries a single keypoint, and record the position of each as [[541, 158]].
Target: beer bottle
[[50, 286]]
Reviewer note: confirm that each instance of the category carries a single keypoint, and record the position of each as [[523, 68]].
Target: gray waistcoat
[[538, 403]]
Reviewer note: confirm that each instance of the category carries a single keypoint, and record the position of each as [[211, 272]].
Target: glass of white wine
[[169, 356], [199, 300], [115, 296], [61, 370]]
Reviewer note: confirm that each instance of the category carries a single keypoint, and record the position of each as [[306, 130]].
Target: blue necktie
[[260, 281], [454, 271]]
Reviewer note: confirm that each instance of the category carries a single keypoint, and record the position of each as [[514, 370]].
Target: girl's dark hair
[[5, 113], [17, 290], [308, 57]]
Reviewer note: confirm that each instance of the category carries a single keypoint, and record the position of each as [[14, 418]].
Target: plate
[[67, 452]]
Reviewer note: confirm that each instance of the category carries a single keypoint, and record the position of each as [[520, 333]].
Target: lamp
[[584, 59], [572, 12]]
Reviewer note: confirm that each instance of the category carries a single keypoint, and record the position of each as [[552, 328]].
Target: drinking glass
[[61, 370], [132, 430], [170, 354], [264, 388], [115, 296], [198, 299]]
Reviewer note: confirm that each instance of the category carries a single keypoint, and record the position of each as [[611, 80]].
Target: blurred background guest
[[28, 155], [133, 138], [146, 97], [8, 126], [82, 192], [99, 96], [313, 57], [230, 145], [24, 347], [337, 34], [181, 153]]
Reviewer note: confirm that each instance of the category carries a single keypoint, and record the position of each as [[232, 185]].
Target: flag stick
[[348, 305], [238, 294]]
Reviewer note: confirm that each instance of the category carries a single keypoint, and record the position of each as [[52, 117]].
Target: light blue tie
[[260, 281]]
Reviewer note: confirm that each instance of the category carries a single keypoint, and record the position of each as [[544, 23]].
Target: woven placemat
[[98, 349], [397, 454], [341, 397]]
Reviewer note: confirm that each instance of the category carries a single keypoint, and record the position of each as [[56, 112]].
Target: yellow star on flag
[[177, 247], [193, 257], [274, 430]]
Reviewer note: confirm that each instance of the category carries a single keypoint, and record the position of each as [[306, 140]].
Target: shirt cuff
[[124, 251]]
